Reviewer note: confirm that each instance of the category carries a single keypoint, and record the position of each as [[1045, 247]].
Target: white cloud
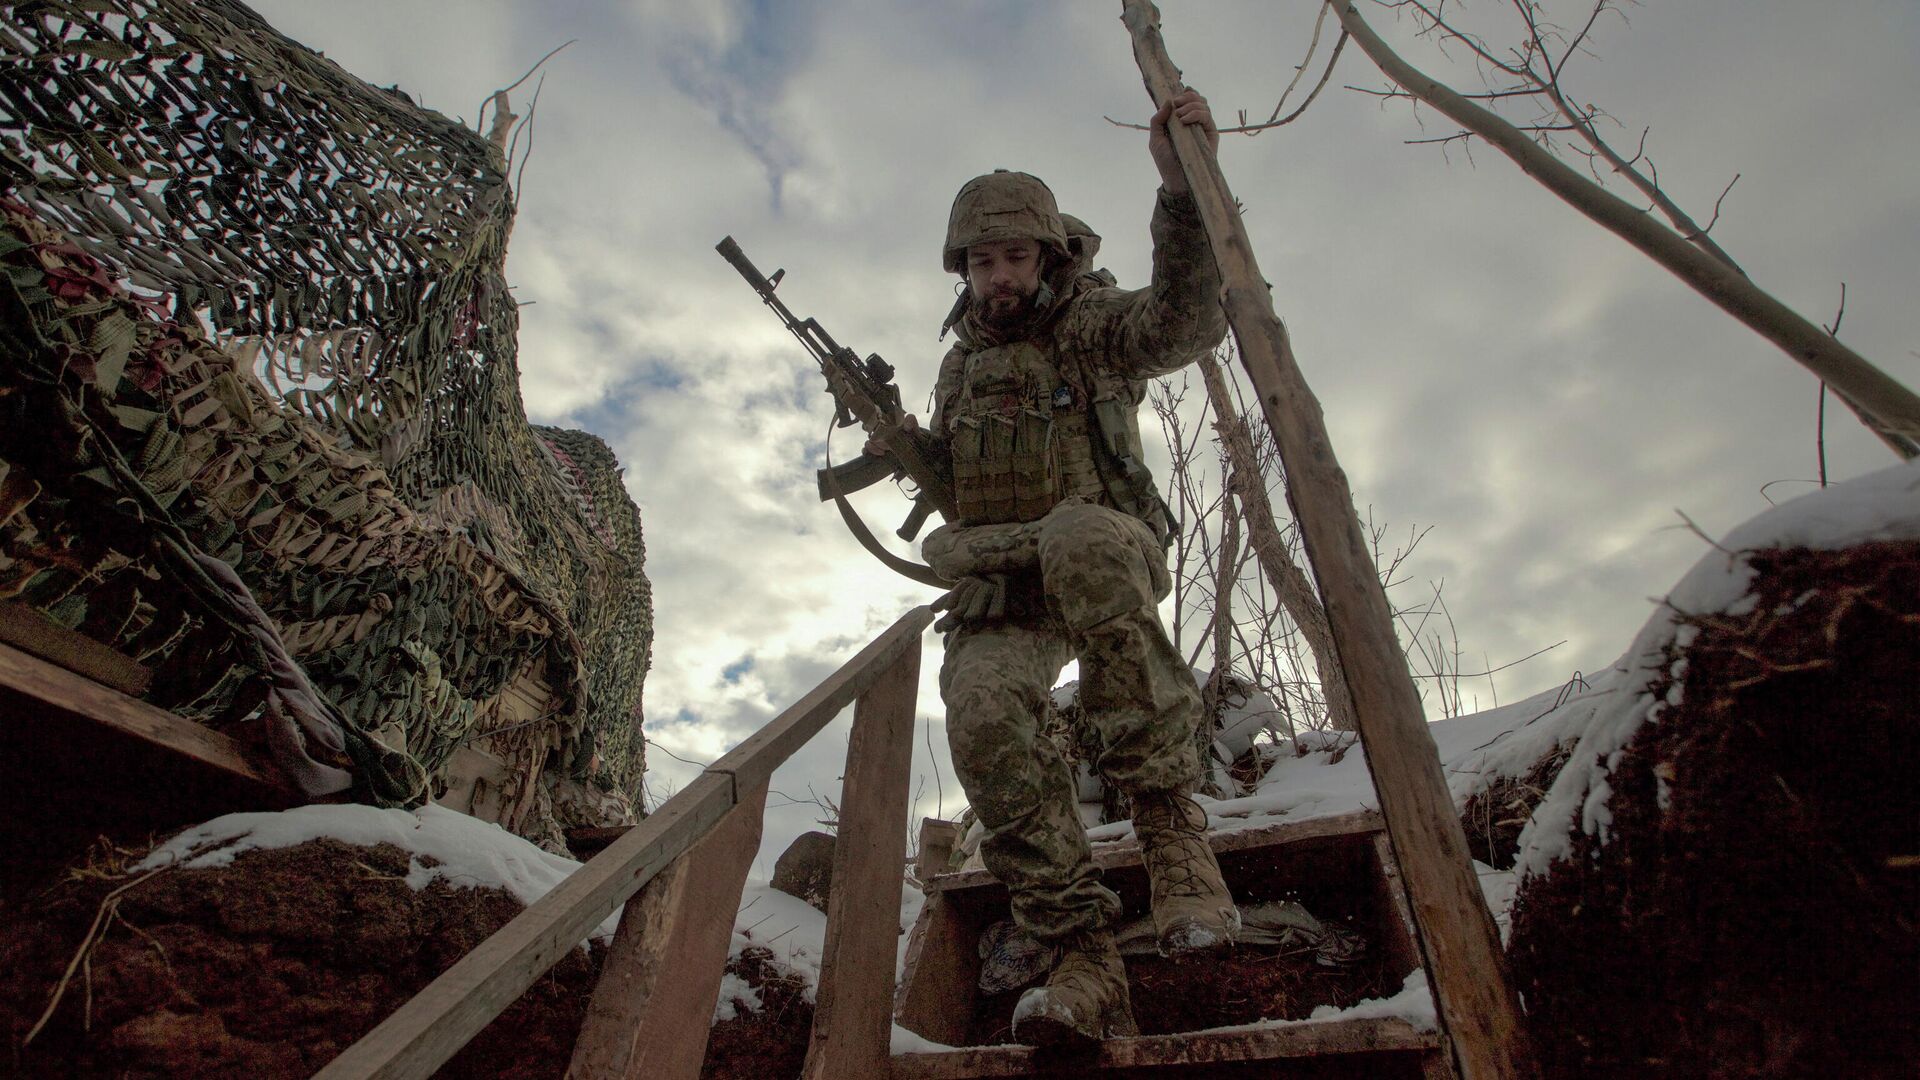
[[1492, 364]]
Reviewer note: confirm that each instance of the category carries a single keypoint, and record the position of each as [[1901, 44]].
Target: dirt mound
[[1494, 815], [266, 968], [769, 1043], [1752, 912]]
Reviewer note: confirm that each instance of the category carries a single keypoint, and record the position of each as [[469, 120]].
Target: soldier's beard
[[1005, 311]]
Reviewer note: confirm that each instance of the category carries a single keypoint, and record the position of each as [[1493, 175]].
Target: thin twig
[[82, 956], [516, 83]]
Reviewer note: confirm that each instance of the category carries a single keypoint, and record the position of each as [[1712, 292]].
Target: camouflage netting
[[254, 308]]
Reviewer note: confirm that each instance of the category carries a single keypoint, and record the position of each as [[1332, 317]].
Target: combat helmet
[[1002, 205]]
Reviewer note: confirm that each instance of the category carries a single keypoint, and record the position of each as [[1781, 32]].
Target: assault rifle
[[863, 392]]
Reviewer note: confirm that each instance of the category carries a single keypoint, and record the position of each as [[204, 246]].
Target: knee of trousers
[[992, 728], [1140, 694], [1097, 563]]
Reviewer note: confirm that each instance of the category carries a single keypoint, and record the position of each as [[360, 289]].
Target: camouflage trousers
[[1100, 576]]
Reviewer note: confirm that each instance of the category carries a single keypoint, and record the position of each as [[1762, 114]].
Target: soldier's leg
[[995, 681], [1105, 573]]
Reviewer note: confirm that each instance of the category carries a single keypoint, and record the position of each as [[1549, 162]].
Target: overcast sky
[[1492, 365]]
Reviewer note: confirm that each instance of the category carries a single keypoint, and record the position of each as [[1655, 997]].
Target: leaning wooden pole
[[1460, 943], [1887, 405]]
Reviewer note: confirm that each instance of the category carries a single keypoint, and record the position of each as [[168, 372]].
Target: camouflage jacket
[[1054, 415]]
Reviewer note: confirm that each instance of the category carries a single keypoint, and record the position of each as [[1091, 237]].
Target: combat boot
[[1192, 909], [1085, 999]]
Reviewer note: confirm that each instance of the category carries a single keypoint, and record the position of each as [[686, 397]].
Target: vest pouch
[[1006, 473], [1002, 445], [1128, 482], [983, 469], [1034, 488]]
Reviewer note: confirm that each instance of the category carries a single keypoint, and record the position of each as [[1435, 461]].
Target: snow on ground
[[444, 844], [1328, 774], [793, 929], [1414, 1004], [797, 934], [1879, 506]]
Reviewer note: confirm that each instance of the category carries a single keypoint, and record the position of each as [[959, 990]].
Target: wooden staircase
[[679, 875], [1339, 866]]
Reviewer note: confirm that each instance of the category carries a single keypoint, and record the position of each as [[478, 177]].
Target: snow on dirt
[[447, 845], [444, 844], [1882, 505], [1324, 774]]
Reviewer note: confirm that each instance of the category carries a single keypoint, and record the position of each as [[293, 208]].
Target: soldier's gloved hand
[[972, 600]]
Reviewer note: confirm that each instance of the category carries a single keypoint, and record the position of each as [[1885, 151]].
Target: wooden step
[[1361, 826], [1383, 1048], [1339, 867]]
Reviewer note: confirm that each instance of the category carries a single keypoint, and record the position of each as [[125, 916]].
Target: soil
[[1753, 912], [771, 1042], [266, 968]]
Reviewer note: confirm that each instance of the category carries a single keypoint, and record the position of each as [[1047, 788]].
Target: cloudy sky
[[1492, 365]]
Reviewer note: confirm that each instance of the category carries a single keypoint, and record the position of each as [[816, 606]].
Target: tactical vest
[[1025, 437]]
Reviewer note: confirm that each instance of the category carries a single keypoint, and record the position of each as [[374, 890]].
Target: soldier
[[1059, 552]]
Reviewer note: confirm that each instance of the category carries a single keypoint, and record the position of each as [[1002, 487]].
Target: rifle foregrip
[[851, 476], [731, 252]]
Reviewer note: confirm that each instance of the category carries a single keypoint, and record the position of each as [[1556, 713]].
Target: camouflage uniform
[[1056, 509]]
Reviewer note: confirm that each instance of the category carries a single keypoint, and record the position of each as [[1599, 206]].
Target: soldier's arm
[[1146, 333], [1162, 328]]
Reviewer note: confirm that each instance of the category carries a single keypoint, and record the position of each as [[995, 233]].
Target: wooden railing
[[679, 874]]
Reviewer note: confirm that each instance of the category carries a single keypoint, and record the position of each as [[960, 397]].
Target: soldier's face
[[1004, 276]]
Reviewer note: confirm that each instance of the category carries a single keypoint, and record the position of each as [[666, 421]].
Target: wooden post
[[28, 630], [853, 1009], [1476, 1001], [431, 1027], [673, 937]]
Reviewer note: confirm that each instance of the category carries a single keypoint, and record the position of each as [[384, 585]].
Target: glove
[[972, 600]]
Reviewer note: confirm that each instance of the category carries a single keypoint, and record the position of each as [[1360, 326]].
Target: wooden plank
[[940, 980], [853, 1009], [423, 1033], [653, 1007], [937, 840], [29, 631], [1359, 826], [1438, 1065], [1402, 946], [107, 710], [1459, 941], [754, 760], [1313, 1039]]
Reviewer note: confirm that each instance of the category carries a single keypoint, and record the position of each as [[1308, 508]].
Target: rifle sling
[[919, 572]]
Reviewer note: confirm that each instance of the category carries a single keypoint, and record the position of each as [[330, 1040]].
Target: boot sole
[[1046, 1032]]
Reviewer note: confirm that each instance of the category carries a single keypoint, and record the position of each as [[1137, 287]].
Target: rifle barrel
[[731, 252]]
